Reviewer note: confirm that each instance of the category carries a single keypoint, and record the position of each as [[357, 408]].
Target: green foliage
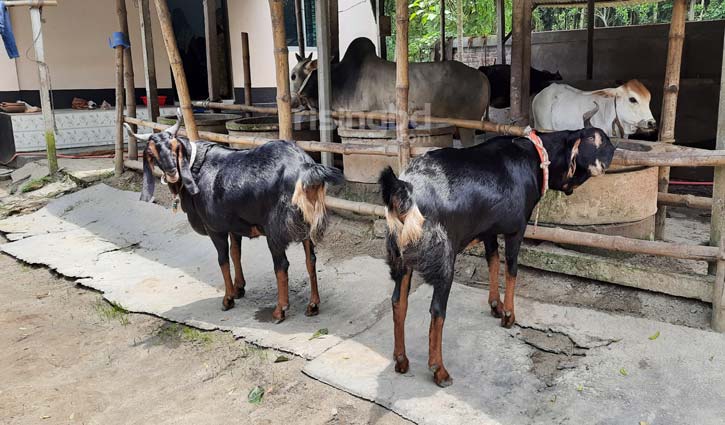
[[110, 311]]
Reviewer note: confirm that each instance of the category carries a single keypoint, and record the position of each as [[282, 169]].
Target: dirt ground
[[70, 357]]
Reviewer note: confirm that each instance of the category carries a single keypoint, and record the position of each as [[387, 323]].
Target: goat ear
[[572, 158], [149, 182], [185, 169]]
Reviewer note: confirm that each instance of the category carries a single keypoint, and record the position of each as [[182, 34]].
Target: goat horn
[[144, 137]]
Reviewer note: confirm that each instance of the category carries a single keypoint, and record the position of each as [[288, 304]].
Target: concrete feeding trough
[[622, 202], [212, 122], [366, 168], [303, 128]]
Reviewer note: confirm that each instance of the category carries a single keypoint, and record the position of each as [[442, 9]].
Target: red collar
[[543, 157]]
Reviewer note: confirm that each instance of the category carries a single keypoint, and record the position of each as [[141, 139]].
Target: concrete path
[[562, 365]]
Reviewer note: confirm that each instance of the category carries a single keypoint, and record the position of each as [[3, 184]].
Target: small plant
[[110, 311], [35, 184], [177, 333]]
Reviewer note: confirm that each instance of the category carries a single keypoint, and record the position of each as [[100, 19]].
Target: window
[[308, 19]]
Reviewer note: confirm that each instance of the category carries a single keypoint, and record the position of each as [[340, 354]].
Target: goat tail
[[404, 219], [309, 196]]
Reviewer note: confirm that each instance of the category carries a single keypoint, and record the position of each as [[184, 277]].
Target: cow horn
[[587, 117], [144, 137]]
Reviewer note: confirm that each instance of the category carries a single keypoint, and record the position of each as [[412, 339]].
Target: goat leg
[[313, 308], [281, 266], [236, 250], [400, 311], [222, 248]]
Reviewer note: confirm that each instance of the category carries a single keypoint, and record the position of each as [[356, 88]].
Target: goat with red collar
[[275, 190], [450, 199]]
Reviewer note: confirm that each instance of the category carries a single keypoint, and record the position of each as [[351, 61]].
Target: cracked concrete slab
[[494, 376], [148, 259]]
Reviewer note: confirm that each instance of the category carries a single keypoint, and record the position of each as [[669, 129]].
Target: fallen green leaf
[[319, 333], [255, 396], [623, 371], [580, 388], [281, 359], [655, 336]]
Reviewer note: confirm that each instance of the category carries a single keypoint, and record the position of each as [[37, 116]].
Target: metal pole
[[300, 27], [48, 117], [590, 39], [669, 100], [324, 76], [281, 65], [212, 57], [401, 81], [147, 43], [501, 31]]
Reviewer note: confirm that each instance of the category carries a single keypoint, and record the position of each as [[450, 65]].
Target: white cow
[[619, 111]]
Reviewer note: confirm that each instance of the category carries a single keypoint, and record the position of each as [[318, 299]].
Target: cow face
[[633, 107], [588, 154], [302, 87]]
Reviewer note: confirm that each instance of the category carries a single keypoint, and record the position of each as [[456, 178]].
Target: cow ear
[[572, 158], [313, 65], [299, 58], [309, 58]]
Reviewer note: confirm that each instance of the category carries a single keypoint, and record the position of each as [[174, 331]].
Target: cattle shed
[[664, 154]]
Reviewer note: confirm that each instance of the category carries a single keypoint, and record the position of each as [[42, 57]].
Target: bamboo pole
[[177, 68], [669, 99], [500, 31], [526, 62], [356, 207], [718, 292], [212, 57], [517, 59], [149, 63], [689, 201], [443, 29], [324, 75], [128, 76], [717, 220], [44, 75], [118, 153], [401, 81], [247, 71], [31, 3], [300, 27], [590, 39], [281, 65]]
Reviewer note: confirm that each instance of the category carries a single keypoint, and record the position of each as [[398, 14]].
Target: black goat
[[275, 190], [449, 199]]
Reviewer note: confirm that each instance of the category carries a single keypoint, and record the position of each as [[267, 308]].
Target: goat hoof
[[508, 319], [239, 292], [401, 363], [227, 303], [312, 310], [496, 309], [278, 315], [441, 376]]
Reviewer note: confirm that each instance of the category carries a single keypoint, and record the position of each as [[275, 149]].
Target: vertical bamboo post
[[501, 31], [324, 77], [717, 218], [118, 152], [128, 77], [300, 27], [48, 117], [718, 294], [334, 19], [526, 62], [669, 100], [247, 70], [147, 43], [590, 39], [517, 59], [177, 68], [443, 30], [281, 62], [401, 81], [212, 57]]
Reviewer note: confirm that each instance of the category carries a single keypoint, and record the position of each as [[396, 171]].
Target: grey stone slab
[[677, 378], [148, 259]]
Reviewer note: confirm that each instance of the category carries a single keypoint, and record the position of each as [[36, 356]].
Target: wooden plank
[[44, 74], [149, 62], [128, 75], [177, 68], [500, 31], [246, 67], [212, 56], [401, 81], [669, 99], [324, 75], [590, 39]]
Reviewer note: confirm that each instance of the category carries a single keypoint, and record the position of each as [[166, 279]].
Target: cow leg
[[222, 248], [281, 266], [494, 263], [239, 282], [313, 308], [513, 244], [441, 290], [468, 136]]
